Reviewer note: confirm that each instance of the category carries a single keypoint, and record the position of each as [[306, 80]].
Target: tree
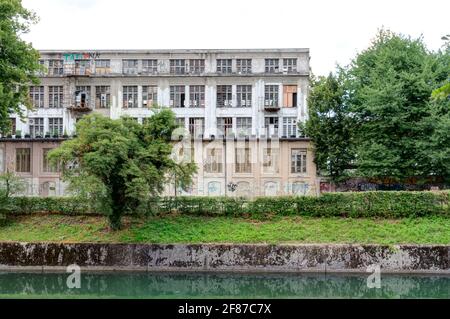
[[19, 62], [389, 87], [120, 164], [10, 184], [329, 126]]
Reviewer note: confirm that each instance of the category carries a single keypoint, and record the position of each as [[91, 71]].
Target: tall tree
[[119, 164], [390, 87], [19, 62], [330, 127]]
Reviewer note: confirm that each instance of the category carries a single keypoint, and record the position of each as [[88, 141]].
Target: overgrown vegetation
[[357, 205]]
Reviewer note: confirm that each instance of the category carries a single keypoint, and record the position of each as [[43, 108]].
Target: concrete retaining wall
[[270, 258]]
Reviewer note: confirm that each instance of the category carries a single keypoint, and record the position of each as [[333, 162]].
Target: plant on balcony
[[47, 135], [55, 134], [18, 134]]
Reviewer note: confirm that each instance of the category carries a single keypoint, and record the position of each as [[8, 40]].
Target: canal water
[[220, 285]]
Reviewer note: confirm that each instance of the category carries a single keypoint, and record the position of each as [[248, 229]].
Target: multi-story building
[[240, 109]]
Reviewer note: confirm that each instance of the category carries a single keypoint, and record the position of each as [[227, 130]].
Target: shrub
[[364, 204]]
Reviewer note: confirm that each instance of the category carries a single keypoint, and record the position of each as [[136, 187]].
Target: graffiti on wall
[[81, 56]]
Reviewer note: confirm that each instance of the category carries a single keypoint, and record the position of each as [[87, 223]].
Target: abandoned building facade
[[237, 109]]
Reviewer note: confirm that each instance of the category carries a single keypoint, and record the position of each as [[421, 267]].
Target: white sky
[[333, 30]]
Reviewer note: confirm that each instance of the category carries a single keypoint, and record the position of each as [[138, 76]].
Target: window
[[242, 159], [196, 66], [149, 66], [37, 96], [224, 66], [82, 96], [270, 160], [272, 66], [102, 66], [197, 96], [244, 66], [48, 167], [36, 126], [149, 96], [180, 121], [23, 160], [196, 126], [298, 161], [130, 66], [213, 161], [271, 126], [177, 66], [130, 97], [290, 65], [224, 126], [290, 95], [55, 67], [55, 97], [271, 96], [244, 125], [102, 96], [13, 126], [177, 96], [82, 67], [55, 126], [244, 95], [289, 127], [224, 96]]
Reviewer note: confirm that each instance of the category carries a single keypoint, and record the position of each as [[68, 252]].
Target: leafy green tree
[[10, 185], [330, 127], [19, 62], [389, 87], [118, 165]]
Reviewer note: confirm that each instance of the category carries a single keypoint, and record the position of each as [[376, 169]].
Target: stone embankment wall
[[226, 257]]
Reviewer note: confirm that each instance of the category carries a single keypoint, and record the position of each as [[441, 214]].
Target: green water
[[214, 285]]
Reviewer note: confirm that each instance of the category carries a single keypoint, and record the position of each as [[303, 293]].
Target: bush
[[364, 204]]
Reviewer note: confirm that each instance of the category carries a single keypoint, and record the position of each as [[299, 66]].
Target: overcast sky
[[333, 30]]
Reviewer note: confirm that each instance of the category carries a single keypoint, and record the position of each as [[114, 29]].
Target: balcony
[[271, 106]]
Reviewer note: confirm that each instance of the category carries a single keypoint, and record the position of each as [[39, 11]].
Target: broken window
[[130, 97], [272, 66], [224, 66], [244, 66], [196, 126], [55, 67], [196, 66], [82, 67], [177, 66], [82, 96], [224, 96], [23, 160], [242, 160], [177, 96], [102, 96], [244, 95], [290, 95], [290, 65], [130, 66], [55, 126], [55, 97], [36, 127], [244, 126], [271, 96], [149, 95], [37, 96], [213, 161], [102, 66], [298, 161], [290, 127], [271, 126], [224, 126], [270, 160], [150, 66], [197, 96]]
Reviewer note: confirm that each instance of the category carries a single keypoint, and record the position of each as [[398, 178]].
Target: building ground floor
[[225, 167]]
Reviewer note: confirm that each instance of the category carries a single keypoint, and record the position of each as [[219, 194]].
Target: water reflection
[[214, 285]]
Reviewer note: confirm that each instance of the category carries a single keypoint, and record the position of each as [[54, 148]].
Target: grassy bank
[[189, 229]]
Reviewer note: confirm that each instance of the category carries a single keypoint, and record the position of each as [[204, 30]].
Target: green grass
[[185, 229]]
